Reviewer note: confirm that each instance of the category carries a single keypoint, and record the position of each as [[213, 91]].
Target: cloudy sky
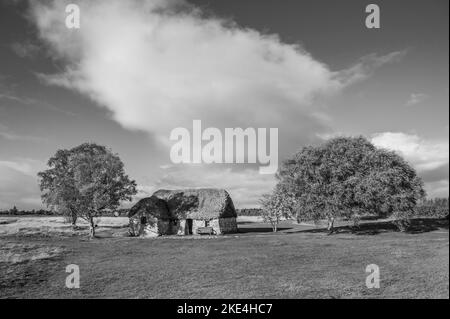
[[137, 69]]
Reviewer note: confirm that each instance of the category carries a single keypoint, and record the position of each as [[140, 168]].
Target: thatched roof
[[150, 206], [202, 204]]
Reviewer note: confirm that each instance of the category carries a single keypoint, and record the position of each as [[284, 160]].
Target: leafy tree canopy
[[85, 182], [347, 176]]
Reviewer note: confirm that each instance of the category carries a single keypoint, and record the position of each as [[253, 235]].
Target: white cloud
[[423, 154], [429, 157], [25, 166], [144, 63], [416, 98], [160, 64], [367, 65]]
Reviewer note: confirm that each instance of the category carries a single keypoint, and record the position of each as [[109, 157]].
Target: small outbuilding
[[150, 217], [184, 212]]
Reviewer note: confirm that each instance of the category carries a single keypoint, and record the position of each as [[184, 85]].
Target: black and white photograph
[[224, 155]]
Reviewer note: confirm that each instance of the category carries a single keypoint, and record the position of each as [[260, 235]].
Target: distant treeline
[[16, 212], [249, 212], [437, 207], [123, 212]]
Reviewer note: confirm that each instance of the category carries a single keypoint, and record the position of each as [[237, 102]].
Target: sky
[[137, 69]]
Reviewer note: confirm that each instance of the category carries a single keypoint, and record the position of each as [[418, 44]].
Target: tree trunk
[[74, 220], [91, 227], [330, 227]]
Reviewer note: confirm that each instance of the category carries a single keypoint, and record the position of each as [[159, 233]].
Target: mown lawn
[[296, 263]]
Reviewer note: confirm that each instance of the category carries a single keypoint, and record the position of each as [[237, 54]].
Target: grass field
[[298, 262]]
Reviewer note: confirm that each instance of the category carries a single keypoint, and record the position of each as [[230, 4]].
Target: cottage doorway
[[143, 223], [188, 227]]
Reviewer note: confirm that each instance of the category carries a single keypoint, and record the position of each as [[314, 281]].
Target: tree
[[347, 177], [274, 208], [85, 182], [14, 211]]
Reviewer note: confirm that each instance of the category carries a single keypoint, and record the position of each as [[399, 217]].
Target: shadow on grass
[[244, 230], [417, 226], [103, 227], [423, 225]]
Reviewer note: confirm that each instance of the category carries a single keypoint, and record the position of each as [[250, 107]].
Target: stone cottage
[[186, 212]]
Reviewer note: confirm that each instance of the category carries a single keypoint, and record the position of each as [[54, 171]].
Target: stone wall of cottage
[[220, 226], [228, 225], [155, 227], [134, 227], [165, 227], [150, 230], [214, 223], [181, 227], [158, 228], [197, 224]]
